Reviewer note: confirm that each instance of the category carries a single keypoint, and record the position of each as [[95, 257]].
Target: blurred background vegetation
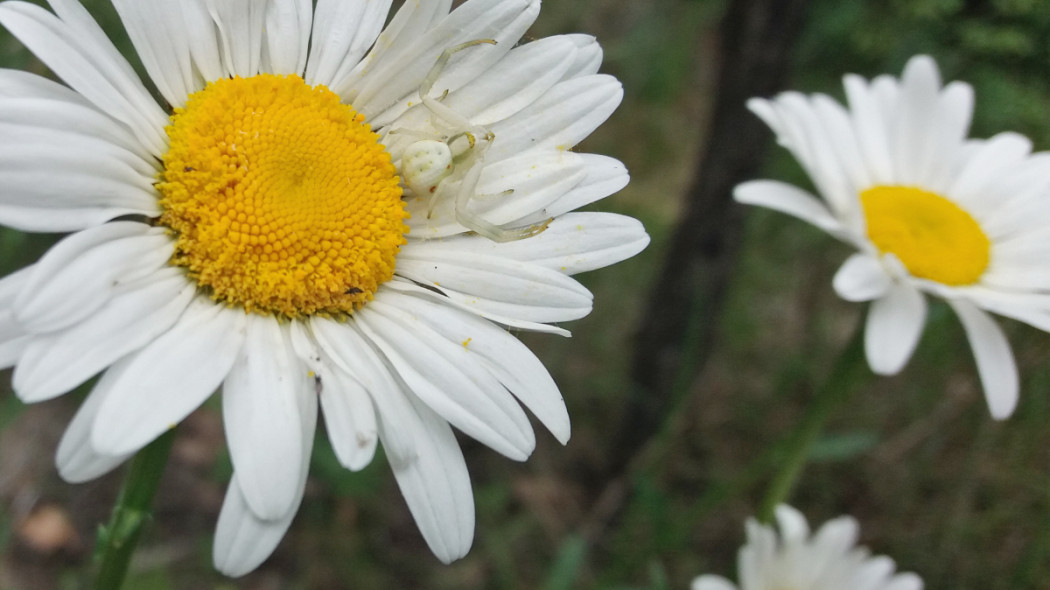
[[936, 484]]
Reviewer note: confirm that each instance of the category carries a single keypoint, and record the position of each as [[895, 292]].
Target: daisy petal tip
[[861, 278], [363, 453], [882, 362], [922, 64], [454, 550], [757, 105], [893, 328], [743, 192], [1003, 402], [561, 432], [710, 582], [996, 366]]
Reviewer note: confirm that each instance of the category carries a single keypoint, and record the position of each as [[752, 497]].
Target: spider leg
[[482, 226], [439, 66]]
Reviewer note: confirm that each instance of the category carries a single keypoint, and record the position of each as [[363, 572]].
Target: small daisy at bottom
[[794, 559]]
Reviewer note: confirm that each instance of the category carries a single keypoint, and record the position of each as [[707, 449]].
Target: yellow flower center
[[929, 234], [281, 198]]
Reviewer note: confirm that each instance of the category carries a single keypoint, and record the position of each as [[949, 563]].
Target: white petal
[[861, 278], [156, 29], [169, 378], [55, 140], [421, 448], [350, 351], [77, 459], [563, 117], [788, 199], [503, 21], [343, 30], [822, 150], [843, 141], [990, 162], [792, 524], [350, 419], [471, 305], [69, 180], [516, 81], [260, 411], [581, 242], [571, 244], [492, 283], [36, 101], [871, 127], [435, 483], [202, 38], [510, 190], [588, 56], [13, 338], [287, 36], [1028, 307], [497, 352], [995, 361], [907, 581], [78, 275], [955, 109], [710, 582], [382, 88], [874, 573], [77, 51], [605, 176], [442, 375], [76, 15], [914, 146], [410, 23], [836, 537], [241, 30], [55, 363], [242, 539], [11, 343], [893, 328]]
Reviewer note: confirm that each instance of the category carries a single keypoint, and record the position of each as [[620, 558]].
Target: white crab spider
[[435, 166]]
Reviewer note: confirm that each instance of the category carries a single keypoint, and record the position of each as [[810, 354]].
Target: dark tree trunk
[[757, 39]]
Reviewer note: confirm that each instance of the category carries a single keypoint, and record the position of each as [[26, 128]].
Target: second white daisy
[[929, 212]]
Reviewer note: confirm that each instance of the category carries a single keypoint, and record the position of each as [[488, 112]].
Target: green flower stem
[[117, 541], [794, 454]]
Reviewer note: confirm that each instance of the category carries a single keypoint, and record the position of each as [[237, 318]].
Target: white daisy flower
[[796, 560], [929, 212], [284, 234]]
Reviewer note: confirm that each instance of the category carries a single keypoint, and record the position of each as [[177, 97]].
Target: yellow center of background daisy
[[281, 199], [931, 235]]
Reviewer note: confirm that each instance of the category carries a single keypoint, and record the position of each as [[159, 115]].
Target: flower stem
[[117, 541], [796, 449]]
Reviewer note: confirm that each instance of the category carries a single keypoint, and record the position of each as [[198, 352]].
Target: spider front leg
[[480, 225], [433, 167], [439, 66]]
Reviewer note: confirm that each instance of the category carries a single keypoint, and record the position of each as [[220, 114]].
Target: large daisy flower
[[328, 217], [929, 212], [796, 560]]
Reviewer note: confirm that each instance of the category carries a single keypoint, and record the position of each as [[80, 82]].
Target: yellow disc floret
[[281, 198], [932, 236]]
